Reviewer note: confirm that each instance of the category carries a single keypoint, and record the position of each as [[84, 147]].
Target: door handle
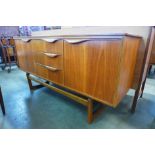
[[52, 55]]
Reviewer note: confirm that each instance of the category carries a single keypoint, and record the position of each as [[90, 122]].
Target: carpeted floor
[[46, 109]]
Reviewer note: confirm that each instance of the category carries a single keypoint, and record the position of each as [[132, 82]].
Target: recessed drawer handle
[[52, 55], [48, 67]]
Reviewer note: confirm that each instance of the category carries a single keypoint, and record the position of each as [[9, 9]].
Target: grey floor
[[46, 109]]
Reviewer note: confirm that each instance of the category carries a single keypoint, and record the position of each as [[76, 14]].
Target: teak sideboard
[[97, 67]]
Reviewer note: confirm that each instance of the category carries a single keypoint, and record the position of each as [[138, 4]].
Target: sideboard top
[[98, 36]]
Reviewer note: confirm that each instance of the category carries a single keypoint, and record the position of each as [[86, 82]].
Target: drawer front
[[49, 73], [48, 54], [49, 60]]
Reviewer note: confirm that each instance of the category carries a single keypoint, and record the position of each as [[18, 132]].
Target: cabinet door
[[92, 67], [25, 55]]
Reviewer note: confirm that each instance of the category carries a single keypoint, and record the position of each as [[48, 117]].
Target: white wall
[[77, 30]]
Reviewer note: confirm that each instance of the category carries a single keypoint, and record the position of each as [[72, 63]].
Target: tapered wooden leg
[[90, 110], [135, 100], [150, 68], [4, 57], [142, 90], [9, 60], [2, 102], [30, 83]]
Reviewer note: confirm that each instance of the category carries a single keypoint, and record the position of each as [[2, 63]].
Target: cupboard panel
[[92, 67]]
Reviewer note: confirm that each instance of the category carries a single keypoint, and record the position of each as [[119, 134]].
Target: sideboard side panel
[[139, 65], [130, 52], [152, 58], [21, 55]]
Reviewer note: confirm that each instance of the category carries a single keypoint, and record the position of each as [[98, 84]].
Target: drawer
[[55, 47], [49, 59], [50, 47], [49, 73], [48, 54]]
